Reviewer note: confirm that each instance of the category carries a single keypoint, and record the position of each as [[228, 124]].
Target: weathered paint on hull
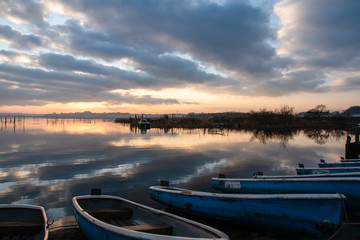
[[350, 160], [93, 232], [341, 164], [323, 175], [314, 216], [308, 171], [94, 228], [350, 187]]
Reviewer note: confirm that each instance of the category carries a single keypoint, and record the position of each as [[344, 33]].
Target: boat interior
[[122, 217], [133, 217], [24, 224]]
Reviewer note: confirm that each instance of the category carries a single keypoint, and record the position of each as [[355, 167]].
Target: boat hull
[[350, 187], [317, 215], [94, 232], [340, 164], [309, 171], [350, 160], [323, 175], [98, 228]]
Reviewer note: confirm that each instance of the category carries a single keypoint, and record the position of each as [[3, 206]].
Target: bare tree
[[318, 111]]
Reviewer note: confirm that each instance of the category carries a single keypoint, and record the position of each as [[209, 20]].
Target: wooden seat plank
[[123, 213], [20, 227], [161, 228]]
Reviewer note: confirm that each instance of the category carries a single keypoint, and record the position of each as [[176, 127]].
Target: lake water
[[48, 161]]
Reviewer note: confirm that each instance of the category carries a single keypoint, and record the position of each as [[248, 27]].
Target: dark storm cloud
[[19, 40], [297, 81], [117, 78], [8, 53], [30, 11], [162, 69], [169, 44], [327, 33], [169, 70], [150, 34], [25, 84], [233, 36]]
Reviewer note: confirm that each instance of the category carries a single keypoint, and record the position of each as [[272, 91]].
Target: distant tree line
[[283, 116], [282, 119], [318, 112]]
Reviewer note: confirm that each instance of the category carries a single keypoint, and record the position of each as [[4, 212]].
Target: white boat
[[19, 221], [144, 124], [110, 217]]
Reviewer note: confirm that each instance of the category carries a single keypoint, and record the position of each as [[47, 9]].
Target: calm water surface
[[48, 161]]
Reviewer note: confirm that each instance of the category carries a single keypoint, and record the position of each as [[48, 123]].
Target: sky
[[178, 56]]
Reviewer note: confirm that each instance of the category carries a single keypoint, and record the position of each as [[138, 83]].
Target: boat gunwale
[[340, 164], [329, 168], [316, 175], [304, 179], [45, 228], [138, 234], [288, 196]]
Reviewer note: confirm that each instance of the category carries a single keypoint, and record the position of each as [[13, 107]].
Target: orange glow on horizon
[[197, 102]]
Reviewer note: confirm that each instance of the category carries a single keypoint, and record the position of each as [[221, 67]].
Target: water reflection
[[322, 136], [48, 161]]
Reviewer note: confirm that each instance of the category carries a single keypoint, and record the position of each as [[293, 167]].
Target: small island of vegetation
[[284, 118]]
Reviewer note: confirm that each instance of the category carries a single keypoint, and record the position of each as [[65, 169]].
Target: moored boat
[[323, 175], [19, 221], [333, 170], [144, 124], [311, 214], [350, 160], [350, 187], [111, 217], [339, 164]]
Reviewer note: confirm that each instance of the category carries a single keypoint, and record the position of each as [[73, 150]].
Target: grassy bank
[[249, 121]]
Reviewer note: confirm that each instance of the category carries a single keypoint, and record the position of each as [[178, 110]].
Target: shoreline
[[67, 228]]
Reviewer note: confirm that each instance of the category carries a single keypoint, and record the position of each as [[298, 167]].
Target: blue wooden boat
[[110, 217], [307, 171], [339, 164], [318, 175], [350, 187], [350, 160], [314, 214], [19, 221]]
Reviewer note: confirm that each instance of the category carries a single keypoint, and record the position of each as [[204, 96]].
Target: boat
[[350, 187], [339, 164], [20, 221], [333, 170], [111, 217], [350, 160], [144, 124], [318, 175], [308, 214]]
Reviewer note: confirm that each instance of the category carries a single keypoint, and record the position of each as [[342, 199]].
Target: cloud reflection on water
[[51, 161]]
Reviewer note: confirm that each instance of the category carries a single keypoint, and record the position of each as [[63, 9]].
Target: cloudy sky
[[168, 56]]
